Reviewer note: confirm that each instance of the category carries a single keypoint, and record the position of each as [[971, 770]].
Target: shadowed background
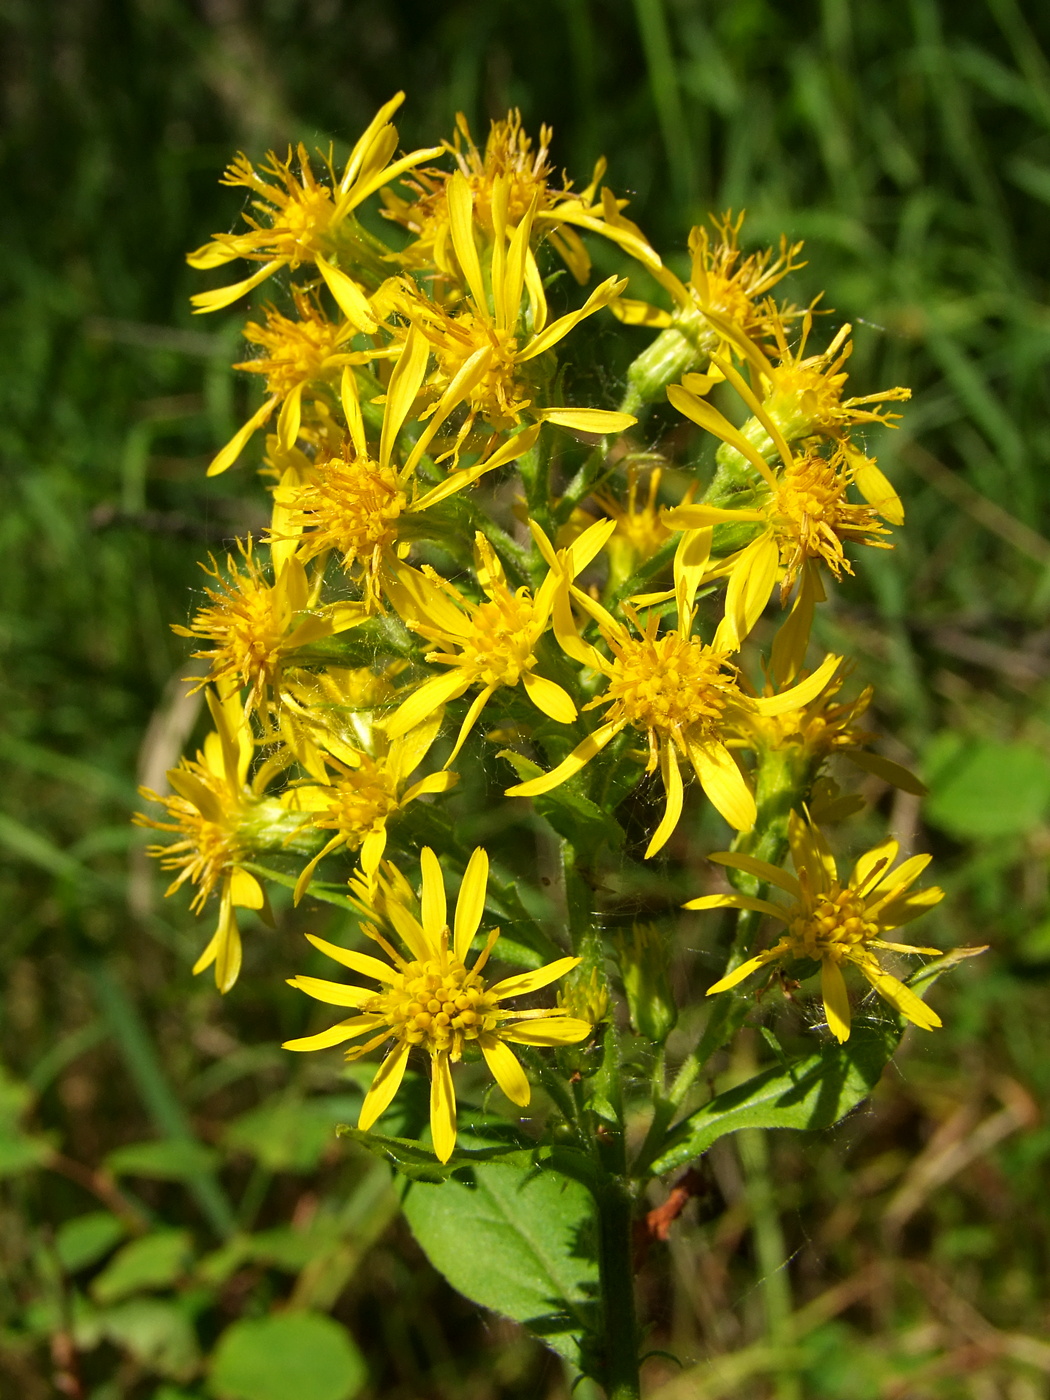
[[909, 145]]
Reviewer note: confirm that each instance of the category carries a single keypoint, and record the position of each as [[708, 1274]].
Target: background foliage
[[173, 1203]]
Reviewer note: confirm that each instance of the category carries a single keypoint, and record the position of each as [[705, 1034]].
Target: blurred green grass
[[909, 144]]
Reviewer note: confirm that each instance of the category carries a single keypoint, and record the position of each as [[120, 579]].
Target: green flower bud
[[643, 959]]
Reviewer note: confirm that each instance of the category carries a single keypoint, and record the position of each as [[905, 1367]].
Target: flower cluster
[[462, 537]]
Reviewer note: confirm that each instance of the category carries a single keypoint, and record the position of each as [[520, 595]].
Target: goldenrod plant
[[596, 622]]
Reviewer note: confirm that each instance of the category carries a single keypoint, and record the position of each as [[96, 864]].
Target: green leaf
[[286, 1355], [158, 1334], [289, 1135], [981, 789], [86, 1239], [19, 1151], [812, 1093], [573, 816], [173, 1159], [155, 1261], [519, 1241]]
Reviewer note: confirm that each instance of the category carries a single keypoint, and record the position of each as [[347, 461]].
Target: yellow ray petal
[[290, 418], [384, 1086], [547, 1030], [744, 970], [335, 1035], [737, 901], [549, 697], [433, 904], [442, 1107], [580, 756], [334, 993], [602, 295], [410, 931], [836, 999], [690, 562], [195, 791], [902, 998], [696, 517], [899, 912], [873, 865], [469, 720], [876, 490], [788, 655], [470, 904], [236, 445], [706, 416], [366, 965], [905, 874], [524, 982], [405, 381], [802, 693], [761, 869], [639, 313], [372, 848], [725, 785], [351, 402], [588, 420], [750, 586], [673, 787], [349, 297], [510, 451], [506, 1069], [203, 302], [461, 226], [245, 890], [308, 870]]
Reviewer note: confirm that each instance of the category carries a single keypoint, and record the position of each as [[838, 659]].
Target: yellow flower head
[[359, 503], [300, 216], [483, 349], [802, 394], [256, 625], [723, 286], [678, 691], [365, 790], [640, 528], [833, 922], [490, 644], [210, 808], [432, 999], [805, 517], [524, 171]]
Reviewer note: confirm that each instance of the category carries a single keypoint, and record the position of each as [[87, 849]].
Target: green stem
[[770, 1252], [616, 1278], [612, 1190]]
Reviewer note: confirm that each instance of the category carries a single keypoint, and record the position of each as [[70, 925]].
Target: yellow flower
[[801, 394], [510, 156], [431, 999], [640, 525], [678, 691], [490, 644], [823, 727], [302, 217], [366, 791], [833, 922], [256, 625], [210, 808], [720, 282], [805, 515], [482, 350], [360, 505], [300, 356]]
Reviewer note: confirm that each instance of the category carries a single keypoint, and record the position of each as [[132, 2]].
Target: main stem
[[612, 1196]]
